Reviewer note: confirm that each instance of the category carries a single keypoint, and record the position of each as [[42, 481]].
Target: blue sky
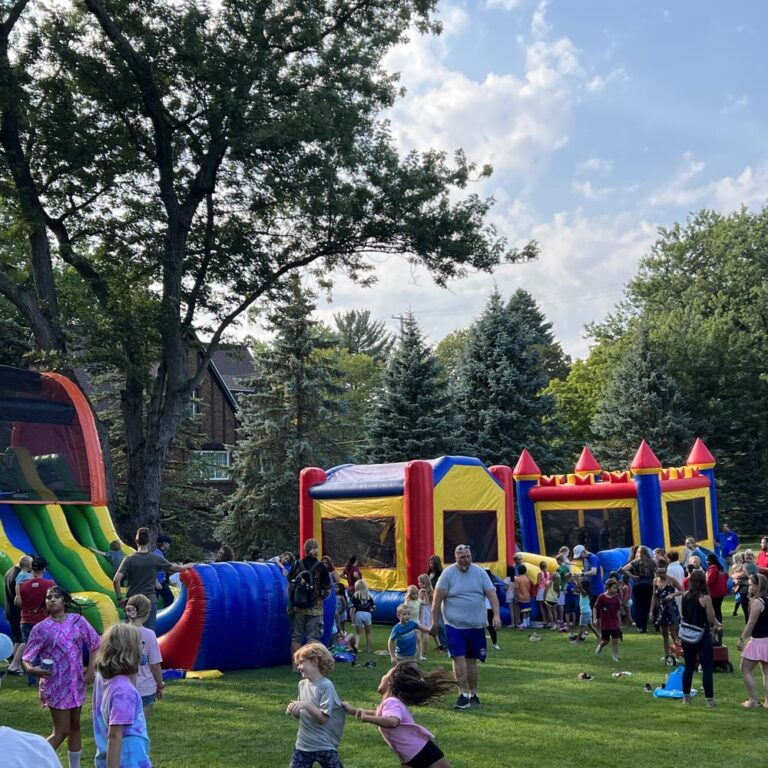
[[603, 120]]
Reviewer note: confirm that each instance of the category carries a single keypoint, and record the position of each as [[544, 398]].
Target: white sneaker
[[496, 647], [615, 658], [422, 658], [598, 650]]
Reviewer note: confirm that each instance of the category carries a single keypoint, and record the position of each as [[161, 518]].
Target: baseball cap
[[579, 550]]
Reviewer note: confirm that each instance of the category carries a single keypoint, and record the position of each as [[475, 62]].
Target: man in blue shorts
[[460, 593]]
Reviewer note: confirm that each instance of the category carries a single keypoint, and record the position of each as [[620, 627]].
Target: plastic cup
[[46, 664]]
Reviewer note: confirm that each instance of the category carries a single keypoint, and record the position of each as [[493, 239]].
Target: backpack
[[305, 591]]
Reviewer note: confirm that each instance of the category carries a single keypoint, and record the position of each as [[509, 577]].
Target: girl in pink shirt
[[407, 685], [54, 653], [542, 582]]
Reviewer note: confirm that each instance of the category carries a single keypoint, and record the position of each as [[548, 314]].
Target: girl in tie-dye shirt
[[119, 727], [60, 639]]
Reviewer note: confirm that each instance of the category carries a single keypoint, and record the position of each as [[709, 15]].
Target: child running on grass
[[119, 727], [402, 644], [318, 710], [403, 686], [607, 614]]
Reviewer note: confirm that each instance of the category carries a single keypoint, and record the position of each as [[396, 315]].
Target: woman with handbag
[[695, 635]]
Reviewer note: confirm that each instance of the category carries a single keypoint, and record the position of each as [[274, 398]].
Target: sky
[[603, 119]]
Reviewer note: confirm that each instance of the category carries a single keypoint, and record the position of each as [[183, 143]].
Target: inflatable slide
[[53, 504]]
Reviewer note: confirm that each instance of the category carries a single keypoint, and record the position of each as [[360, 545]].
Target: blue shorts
[[148, 700], [469, 643], [525, 606]]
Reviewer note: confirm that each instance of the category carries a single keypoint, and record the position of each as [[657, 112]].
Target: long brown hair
[[697, 585], [413, 686]]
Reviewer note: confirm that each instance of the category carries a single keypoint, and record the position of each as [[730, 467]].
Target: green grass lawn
[[534, 713]]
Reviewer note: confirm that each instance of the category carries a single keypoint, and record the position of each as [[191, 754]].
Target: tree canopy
[[164, 167]]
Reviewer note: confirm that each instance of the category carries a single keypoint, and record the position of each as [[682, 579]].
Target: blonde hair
[[412, 593], [361, 590], [140, 606], [425, 584], [119, 652], [403, 607], [317, 653]]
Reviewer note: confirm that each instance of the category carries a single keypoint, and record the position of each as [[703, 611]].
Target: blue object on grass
[[673, 687]]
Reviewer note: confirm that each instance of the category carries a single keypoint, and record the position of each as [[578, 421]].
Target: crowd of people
[[62, 654], [452, 607]]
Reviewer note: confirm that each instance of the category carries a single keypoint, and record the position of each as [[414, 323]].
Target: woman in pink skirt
[[59, 639], [755, 635]]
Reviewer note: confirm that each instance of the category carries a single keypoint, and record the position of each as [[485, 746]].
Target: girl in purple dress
[[54, 653]]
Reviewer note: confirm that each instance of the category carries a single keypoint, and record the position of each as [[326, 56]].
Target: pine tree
[[285, 424], [501, 374], [642, 401], [359, 335], [412, 418]]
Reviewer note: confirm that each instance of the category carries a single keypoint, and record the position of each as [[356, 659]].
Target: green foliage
[[448, 351], [286, 424], [642, 401], [501, 376], [180, 159], [359, 335], [411, 417]]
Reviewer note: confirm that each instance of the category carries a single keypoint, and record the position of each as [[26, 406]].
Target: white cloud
[[506, 5], [597, 165], [735, 104], [598, 82], [749, 187], [585, 262], [514, 120]]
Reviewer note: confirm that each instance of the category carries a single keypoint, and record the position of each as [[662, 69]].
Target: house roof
[[235, 365]]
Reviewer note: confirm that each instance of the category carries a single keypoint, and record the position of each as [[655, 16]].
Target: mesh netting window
[[601, 529], [687, 518], [372, 539], [477, 528]]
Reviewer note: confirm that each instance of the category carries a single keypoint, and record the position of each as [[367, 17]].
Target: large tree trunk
[[145, 483]]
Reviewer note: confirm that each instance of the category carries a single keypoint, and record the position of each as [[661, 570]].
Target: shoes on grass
[[474, 700], [462, 702], [496, 647]]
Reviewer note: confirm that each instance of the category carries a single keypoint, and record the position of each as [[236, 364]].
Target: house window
[[192, 408], [205, 466]]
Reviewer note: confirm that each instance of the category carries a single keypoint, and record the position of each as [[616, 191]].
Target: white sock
[[74, 759]]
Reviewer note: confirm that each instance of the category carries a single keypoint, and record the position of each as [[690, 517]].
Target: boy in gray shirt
[[318, 710]]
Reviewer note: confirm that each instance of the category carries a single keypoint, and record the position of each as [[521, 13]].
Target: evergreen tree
[[359, 335], [642, 401], [501, 374], [412, 418], [285, 426]]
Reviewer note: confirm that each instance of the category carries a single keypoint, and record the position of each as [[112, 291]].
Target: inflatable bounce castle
[[393, 517], [609, 512], [53, 504]]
